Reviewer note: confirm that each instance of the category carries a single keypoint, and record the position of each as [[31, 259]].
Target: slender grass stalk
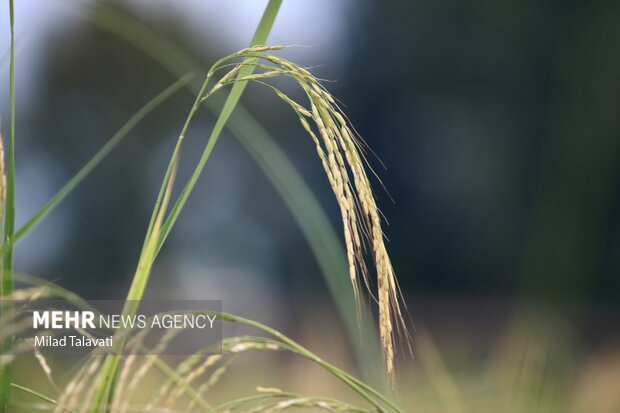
[[40, 396], [6, 269], [104, 392], [114, 141], [260, 37], [136, 292], [137, 289]]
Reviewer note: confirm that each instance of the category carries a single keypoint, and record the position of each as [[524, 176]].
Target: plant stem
[[152, 239], [260, 37], [105, 390], [6, 269]]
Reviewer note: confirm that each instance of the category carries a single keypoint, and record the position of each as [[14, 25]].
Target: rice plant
[[342, 154]]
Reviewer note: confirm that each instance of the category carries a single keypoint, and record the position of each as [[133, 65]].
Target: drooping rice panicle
[[341, 152]]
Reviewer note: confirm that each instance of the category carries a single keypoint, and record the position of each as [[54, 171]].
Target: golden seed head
[[339, 149]]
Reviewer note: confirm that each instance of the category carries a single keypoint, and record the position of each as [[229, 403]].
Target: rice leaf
[[105, 150], [6, 269], [104, 391]]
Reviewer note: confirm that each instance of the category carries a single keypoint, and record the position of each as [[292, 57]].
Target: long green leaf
[[6, 269], [104, 391], [260, 37], [105, 150]]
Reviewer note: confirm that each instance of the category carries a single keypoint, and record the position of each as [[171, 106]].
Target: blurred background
[[498, 124]]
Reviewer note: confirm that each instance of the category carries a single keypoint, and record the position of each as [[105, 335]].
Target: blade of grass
[[105, 390], [290, 184], [171, 165], [137, 289], [99, 156], [373, 396], [39, 396], [6, 269], [108, 374], [105, 150], [260, 37]]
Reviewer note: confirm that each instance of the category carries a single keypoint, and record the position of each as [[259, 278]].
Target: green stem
[[105, 389], [260, 37], [153, 240], [6, 269], [135, 292]]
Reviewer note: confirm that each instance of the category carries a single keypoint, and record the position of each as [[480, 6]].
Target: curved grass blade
[[260, 37], [114, 141], [6, 268]]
